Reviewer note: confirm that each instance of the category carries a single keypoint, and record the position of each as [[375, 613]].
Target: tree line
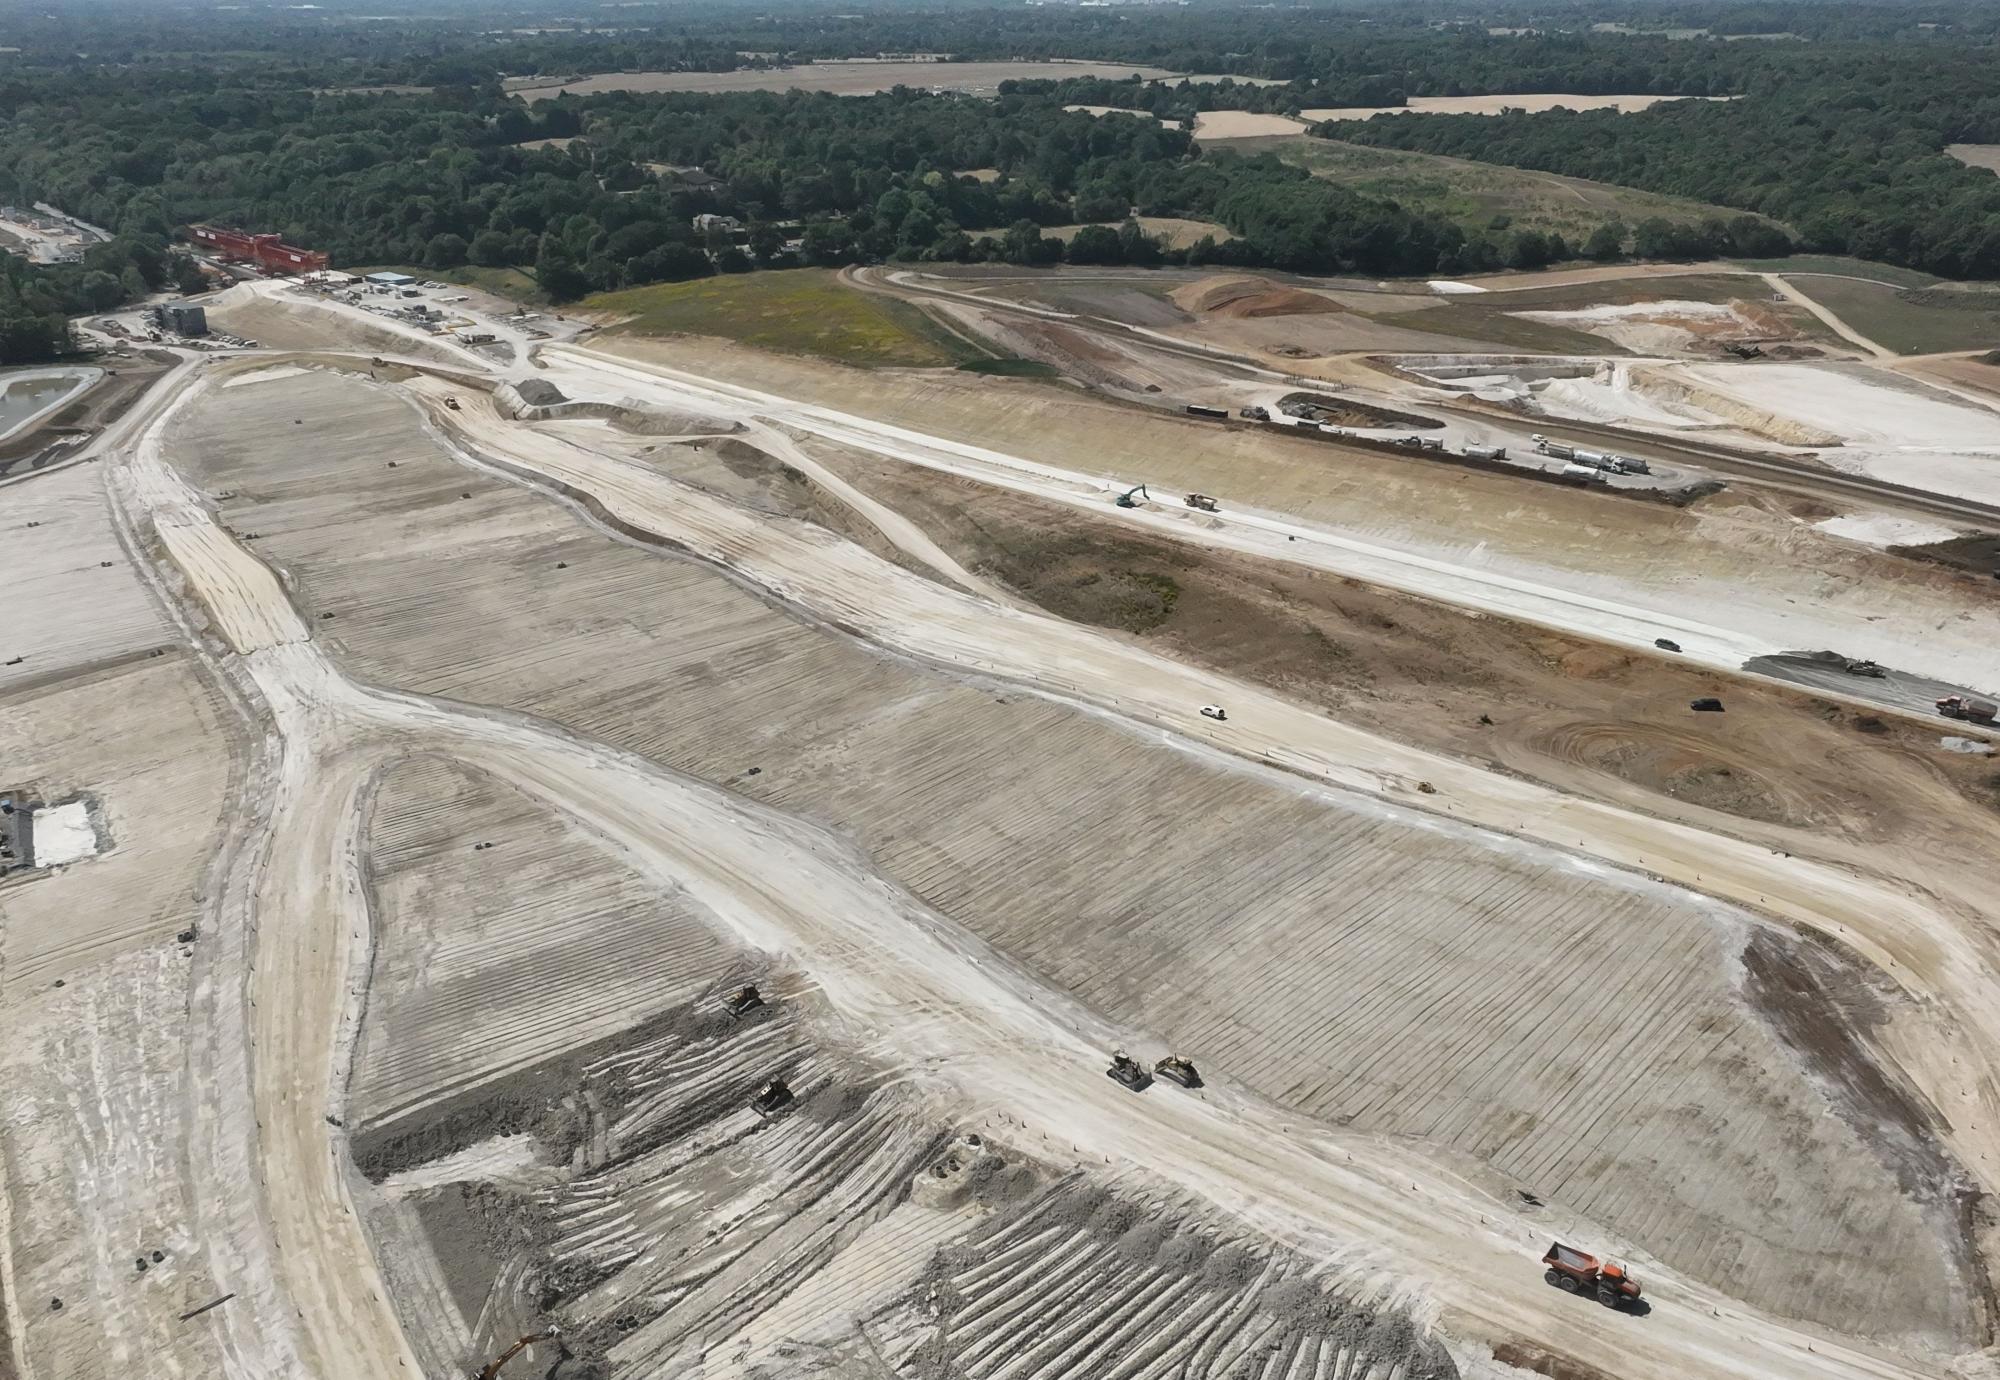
[[1838, 137], [1849, 153], [37, 300]]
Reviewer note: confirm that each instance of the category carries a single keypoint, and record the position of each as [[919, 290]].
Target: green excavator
[[1125, 500]]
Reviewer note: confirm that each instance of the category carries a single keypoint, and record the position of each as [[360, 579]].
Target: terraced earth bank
[[1589, 1038]]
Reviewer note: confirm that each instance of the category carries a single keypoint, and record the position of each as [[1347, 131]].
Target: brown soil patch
[[1542, 1361], [1250, 298], [1979, 554], [1780, 766]]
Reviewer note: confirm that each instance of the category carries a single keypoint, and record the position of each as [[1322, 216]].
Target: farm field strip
[[850, 78]]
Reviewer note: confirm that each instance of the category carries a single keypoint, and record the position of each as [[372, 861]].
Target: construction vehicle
[[1129, 1071], [1744, 351], [743, 1001], [510, 1353], [1593, 459], [1178, 1070], [1125, 500], [1201, 501], [773, 1095], [1484, 452], [451, 404], [1255, 414], [1575, 1272], [1967, 708], [1872, 670]]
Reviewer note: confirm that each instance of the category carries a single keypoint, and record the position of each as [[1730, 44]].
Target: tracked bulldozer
[[1129, 1071], [743, 1001], [1175, 1069], [772, 1097]]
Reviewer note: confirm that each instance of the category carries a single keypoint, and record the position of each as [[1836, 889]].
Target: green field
[[1850, 268], [1476, 194], [1910, 321], [798, 311]]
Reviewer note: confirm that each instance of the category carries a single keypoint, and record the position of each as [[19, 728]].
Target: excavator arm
[[493, 1370]]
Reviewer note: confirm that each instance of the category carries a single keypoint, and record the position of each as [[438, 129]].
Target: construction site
[[535, 847]]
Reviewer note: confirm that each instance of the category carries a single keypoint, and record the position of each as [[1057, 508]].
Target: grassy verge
[[798, 311], [1851, 268], [1938, 319], [1474, 194]]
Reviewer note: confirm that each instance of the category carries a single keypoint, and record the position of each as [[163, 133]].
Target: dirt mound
[[1683, 764], [1250, 297]]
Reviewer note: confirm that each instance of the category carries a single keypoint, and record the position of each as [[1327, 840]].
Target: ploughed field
[[1590, 1037]]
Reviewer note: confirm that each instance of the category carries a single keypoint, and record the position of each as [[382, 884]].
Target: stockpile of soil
[[1245, 298]]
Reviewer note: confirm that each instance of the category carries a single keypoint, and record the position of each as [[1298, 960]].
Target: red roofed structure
[[268, 251]]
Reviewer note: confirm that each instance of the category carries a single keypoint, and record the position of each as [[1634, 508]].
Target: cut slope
[[504, 937]]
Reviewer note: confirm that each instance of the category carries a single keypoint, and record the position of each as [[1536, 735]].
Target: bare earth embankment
[[928, 729], [483, 758]]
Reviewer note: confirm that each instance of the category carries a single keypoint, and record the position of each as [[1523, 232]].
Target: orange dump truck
[[1574, 1272]]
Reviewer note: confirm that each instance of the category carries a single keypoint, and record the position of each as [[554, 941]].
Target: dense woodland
[[146, 118], [1851, 157]]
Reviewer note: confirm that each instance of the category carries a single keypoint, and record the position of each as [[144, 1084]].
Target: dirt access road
[[1478, 422], [943, 1003], [1724, 636]]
